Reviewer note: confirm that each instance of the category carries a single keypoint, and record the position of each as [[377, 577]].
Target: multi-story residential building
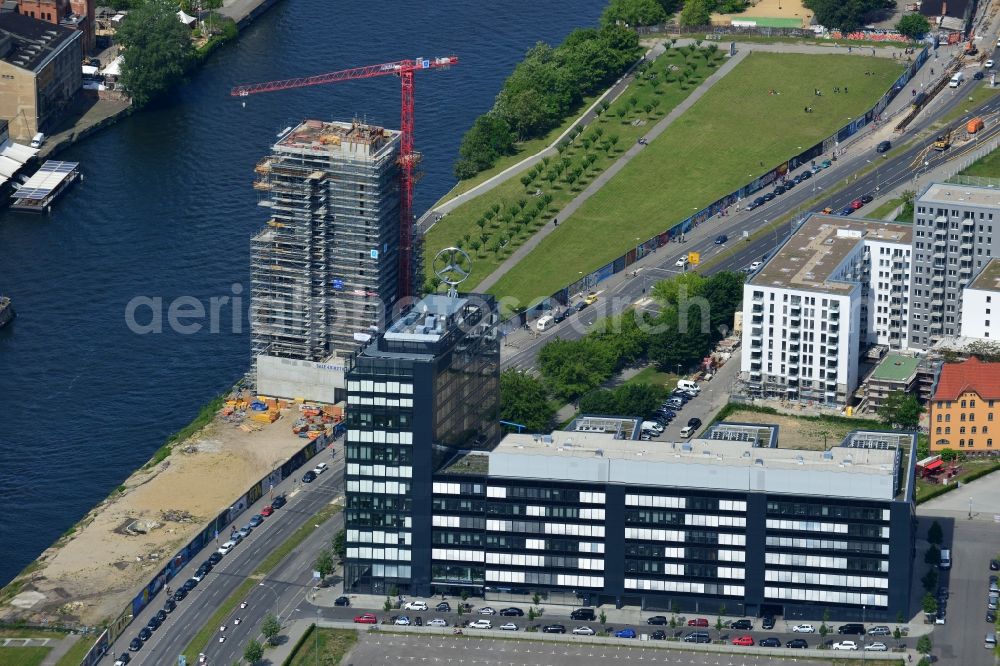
[[834, 288], [325, 269], [427, 387], [730, 520], [39, 73], [979, 299], [895, 372], [965, 408], [953, 239]]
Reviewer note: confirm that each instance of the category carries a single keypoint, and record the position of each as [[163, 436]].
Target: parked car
[[797, 643], [697, 637], [845, 645], [226, 547], [214, 558], [584, 631], [744, 640], [487, 610], [145, 634], [743, 625], [366, 618], [415, 606], [851, 628], [554, 629], [190, 584], [991, 617], [658, 635], [342, 601], [437, 622], [687, 431], [443, 607], [169, 605], [883, 147], [877, 647], [857, 203], [846, 210], [179, 594], [481, 624], [309, 477], [320, 468], [698, 622], [586, 614], [135, 645], [625, 633], [509, 626], [657, 619], [256, 521], [245, 531], [694, 422], [267, 511], [154, 623], [512, 612], [402, 621], [803, 629], [978, 76], [770, 642], [124, 658], [880, 630], [756, 266], [767, 623], [994, 565], [278, 502]]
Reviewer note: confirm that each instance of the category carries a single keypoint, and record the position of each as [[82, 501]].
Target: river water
[[167, 210]]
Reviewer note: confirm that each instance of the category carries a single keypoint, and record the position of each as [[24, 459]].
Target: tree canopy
[[523, 400], [696, 13], [634, 12], [913, 25], [901, 410], [845, 15], [626, 400], [157, 50]]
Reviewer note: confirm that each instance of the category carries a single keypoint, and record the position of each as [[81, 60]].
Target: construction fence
[[677, 231], [209, 536]]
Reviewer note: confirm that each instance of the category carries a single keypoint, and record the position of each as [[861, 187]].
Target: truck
[[943, 142]]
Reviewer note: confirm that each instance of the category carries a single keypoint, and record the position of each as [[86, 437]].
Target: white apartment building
[[979, 299], [836, 287]]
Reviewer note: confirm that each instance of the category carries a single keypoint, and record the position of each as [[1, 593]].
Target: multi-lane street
[[859, 171], [290, 580]]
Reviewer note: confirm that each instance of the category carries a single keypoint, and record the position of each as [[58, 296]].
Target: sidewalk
[[611, 171], [60, 649]]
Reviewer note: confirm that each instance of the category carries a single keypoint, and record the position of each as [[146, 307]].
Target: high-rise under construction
[[326, 266]]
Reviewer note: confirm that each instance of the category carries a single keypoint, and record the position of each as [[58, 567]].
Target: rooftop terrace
[[811, 257], [895, 368]]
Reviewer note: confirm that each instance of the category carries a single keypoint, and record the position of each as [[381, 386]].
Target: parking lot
[[394, 649], [712, 397]]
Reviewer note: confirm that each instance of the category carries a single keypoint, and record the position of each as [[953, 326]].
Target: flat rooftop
[[967, 195], [430, 319], [865, 465], [988, 278], [349, 140], [895, 368], [811, 257]]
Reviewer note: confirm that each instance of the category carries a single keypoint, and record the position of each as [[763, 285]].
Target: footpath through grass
[[323, 646], [748, 122], [224, 609], [491, 226], [74, 656]]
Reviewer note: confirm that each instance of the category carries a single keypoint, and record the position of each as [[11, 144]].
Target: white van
[[945, 559], [688, 385], [37, 140], [652, 425], [545, 322], [687, 431], [956, 80]]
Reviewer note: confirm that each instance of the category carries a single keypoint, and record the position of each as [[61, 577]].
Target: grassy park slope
[[736, 132]]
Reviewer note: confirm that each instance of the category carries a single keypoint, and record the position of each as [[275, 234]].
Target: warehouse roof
[[33, 41], [972, 375]]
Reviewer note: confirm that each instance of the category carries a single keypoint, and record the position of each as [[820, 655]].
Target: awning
[[186, 19], [89, 70], [114, 67], [934, 465]]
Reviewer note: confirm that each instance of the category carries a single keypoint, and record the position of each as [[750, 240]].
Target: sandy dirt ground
[[775, 9], [91, 575], [797, 432]]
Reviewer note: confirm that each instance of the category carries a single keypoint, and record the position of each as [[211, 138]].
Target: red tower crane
[[404, 69]]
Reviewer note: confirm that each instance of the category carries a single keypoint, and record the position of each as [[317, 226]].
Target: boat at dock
[[45, 186], [7, 313]]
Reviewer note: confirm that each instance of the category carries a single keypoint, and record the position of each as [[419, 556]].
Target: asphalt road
[[191, 614], [886, 172]]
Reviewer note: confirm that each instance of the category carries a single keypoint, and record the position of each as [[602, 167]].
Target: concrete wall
[[291, 378], [17, 101], [978, 318]]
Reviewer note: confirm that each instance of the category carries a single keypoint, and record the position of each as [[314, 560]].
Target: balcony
[[756, 331], [757, 308], [941, 231], [941, 241], [795, 322], [939, 255], [964, 269], [968, 222], [758, 298], [757, 320], [834, 328]]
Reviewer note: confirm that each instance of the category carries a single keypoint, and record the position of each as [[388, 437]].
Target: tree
[[531, 614], [930, 580], [157, 50], [935, 534], [254, 651], [719, 625], [845, 15], [932, 556], [536, 598], [696, 13], [324, 563], [602, 618], [901, 410], [489, 138], [913, 26], [929, 604], [340, 543], [634, 13], [523, 400], [271, 627], [387, 606], [924, 645]]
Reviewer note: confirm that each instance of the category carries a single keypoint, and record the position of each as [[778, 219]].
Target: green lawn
[[624, 131], [653, 377], [23, 656], [883, 210], [330, 644], [713, 149], [985, 167], [524, 149], [74, 656]]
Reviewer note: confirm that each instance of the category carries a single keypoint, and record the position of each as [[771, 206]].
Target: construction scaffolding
[[325, 266]]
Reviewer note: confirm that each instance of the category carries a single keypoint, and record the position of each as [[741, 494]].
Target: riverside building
[[730, 520], [953, 240], [326, 266], [425, 389], [836, 287]]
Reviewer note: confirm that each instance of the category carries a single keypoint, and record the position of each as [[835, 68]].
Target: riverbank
[[95, 569]]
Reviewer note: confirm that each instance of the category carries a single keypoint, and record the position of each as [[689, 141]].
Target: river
[[167, 210]]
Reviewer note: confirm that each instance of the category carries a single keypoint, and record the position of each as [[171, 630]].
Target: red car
[[857, 203], [267, 511], [698, 622], [743, 640], [367, 618]]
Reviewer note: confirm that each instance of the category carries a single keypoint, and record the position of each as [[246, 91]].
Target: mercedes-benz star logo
[[452, 266]]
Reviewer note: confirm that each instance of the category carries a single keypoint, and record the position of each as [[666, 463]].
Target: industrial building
[[416, 395], [965, 406], [953, 240], [73, 14], [733, 519], [39, 73], [325, 268], [836, 287]]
